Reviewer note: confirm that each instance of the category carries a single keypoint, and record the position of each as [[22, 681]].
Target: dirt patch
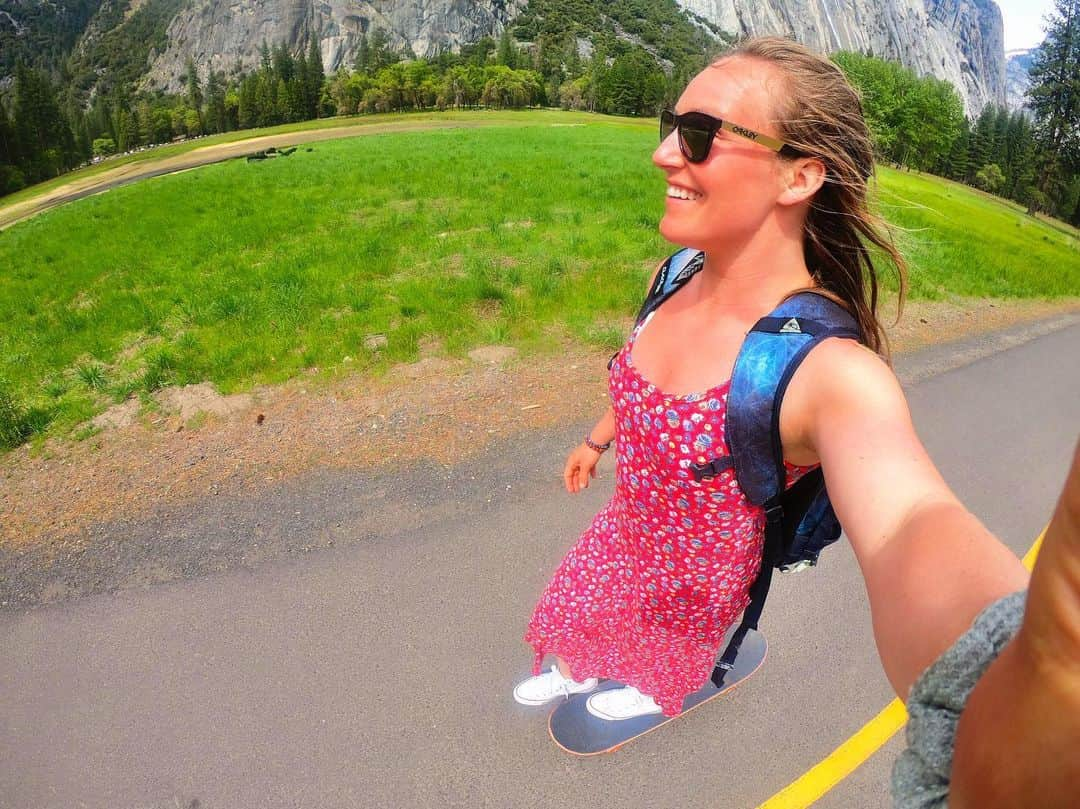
[[191, 400], [440, 409], [492, 355], [118, 416]]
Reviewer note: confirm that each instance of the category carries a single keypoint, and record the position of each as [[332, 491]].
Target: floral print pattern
[[647, 594]]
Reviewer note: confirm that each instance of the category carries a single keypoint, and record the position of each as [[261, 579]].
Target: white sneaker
[[621, 703], [549, 686]]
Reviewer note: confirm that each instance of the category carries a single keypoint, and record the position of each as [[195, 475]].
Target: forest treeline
[[917, 122]]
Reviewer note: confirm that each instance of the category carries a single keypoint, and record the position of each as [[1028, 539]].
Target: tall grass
[[244, 273], [961, 242]]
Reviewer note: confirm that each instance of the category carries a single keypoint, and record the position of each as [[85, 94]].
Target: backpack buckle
[[710, 470]]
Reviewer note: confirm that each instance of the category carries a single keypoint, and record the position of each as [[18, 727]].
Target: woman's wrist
[[596, 446]]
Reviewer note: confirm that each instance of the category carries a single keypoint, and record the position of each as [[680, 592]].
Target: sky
[[1023, 22]]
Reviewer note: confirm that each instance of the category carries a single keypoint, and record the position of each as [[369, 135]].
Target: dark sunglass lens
[[696, 141], [667, 124]]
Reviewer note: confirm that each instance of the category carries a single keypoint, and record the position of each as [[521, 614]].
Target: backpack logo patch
[[791, 327]]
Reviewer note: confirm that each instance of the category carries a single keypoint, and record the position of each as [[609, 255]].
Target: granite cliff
[[221, 33], [961, 41], [1017, 80]]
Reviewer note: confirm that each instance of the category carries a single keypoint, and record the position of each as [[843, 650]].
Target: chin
[[678, 234]]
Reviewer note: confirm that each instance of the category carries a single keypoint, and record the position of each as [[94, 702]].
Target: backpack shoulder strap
[[770, 354], [676, 270]]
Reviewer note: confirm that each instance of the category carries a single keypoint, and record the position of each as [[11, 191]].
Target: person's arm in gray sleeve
[[995, 720]]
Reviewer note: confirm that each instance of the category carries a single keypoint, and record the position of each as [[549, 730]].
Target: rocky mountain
[[151, 40], [961, 41], [221, 33], [1017, 80]]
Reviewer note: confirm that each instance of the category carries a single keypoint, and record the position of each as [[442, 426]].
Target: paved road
[[375, 670]]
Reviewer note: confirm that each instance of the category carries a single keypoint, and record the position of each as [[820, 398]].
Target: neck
[[757, 273]]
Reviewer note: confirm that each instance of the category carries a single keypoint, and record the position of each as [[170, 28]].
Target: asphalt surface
[[350, 640]]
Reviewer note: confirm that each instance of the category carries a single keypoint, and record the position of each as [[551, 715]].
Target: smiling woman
[[774, 212]]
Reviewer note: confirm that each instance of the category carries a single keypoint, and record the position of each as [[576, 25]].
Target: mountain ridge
[[961, 41]]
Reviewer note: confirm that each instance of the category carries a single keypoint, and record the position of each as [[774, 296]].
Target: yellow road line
[[842, 761], [846, 758], [1029, 559]]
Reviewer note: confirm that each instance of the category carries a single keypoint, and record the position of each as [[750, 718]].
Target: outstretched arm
[[929, 565]]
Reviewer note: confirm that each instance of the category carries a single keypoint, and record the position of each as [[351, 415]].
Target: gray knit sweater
[[920, 778]]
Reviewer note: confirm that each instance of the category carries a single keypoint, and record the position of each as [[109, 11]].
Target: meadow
[[355, 253]]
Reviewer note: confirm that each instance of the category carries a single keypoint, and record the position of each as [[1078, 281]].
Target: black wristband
[[601, 448]]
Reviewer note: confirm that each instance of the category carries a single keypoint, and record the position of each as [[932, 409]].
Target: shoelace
[[564, 682], [641, 700]]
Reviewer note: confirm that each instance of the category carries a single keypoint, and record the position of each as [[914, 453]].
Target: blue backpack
[[799, 521]]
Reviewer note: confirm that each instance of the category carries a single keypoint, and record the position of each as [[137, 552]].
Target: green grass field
[[245, 273]]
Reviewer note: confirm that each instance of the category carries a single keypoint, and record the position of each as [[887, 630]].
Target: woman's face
[[725, 199]]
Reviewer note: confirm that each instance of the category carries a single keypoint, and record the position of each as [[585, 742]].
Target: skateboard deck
[[577, 731]]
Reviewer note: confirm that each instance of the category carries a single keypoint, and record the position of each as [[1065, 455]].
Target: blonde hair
[[820, 114]]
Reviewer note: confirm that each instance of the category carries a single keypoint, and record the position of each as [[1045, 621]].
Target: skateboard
[[577, 731]]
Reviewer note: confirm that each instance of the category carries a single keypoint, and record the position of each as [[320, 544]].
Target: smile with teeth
[[682, 193]]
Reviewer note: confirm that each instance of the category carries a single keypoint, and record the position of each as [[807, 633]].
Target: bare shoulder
[[840, 384], [845, 373]]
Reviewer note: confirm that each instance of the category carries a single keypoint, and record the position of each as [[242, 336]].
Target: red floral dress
[[647, 594]]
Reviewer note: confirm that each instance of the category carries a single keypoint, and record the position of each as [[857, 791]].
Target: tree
[[216, 115], [1054, 97], [283, 64], [914, 120], [980, 143], [507, 54], [315, 78], [103, 147], [265, 59], [381, 54], [247, 113], [45, 141], [362, 63], [955, 164], [989, 177], [194, 90]]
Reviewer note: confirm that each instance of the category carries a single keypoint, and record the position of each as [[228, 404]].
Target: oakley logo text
[[746, 133]]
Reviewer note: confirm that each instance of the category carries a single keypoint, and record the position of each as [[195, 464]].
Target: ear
[[801, 178]]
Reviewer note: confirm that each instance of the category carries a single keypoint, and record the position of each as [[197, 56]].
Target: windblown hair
[[820, 114]]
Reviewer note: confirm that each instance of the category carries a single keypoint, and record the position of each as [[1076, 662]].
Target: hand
[[1018, 737], [580, 466]]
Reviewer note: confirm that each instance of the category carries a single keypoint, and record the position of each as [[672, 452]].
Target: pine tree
[[316, 77], [1054, 94], [46, 143], [194, 91], [7, 140], [247, 112], [265, 100], [284, 66], [507, 54], [381, 54], [362, 64], [216, 117], [981, 142]]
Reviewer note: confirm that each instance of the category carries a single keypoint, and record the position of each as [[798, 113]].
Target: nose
[[667, 154]]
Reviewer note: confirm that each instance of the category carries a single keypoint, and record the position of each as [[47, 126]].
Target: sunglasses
[[697, 130]]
